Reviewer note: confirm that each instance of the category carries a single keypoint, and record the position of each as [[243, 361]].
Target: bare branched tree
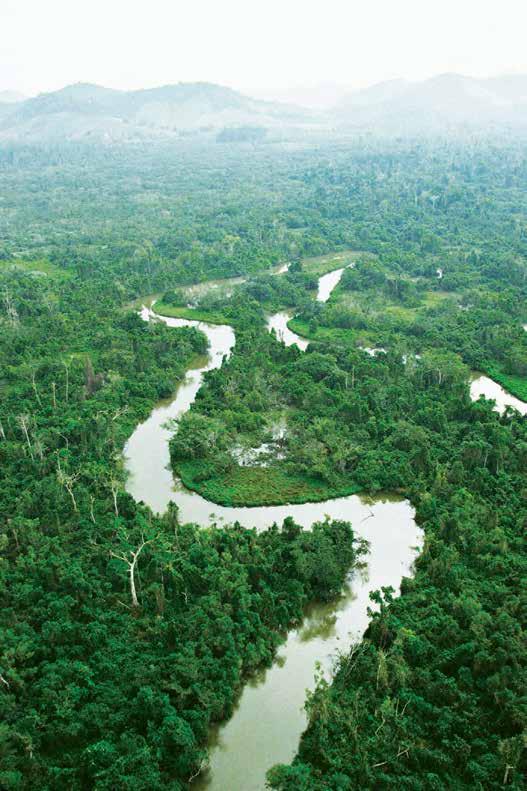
[[202, 765], [67, 369], [35, 389], [114, 488], [24, 423], [11, 311], [92, 515], [131, 562], [67, 481]]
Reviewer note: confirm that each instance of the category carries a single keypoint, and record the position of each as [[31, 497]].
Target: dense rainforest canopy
[[112, 686]]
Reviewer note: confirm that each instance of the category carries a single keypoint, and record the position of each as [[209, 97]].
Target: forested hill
[[93, 113], [451, 104], [442, 103]]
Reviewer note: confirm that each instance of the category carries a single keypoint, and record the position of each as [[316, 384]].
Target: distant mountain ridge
[[84, 110], [9, 97], [88, 112], [448, 100]]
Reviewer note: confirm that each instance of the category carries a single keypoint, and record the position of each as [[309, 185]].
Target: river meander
[[267, 724]]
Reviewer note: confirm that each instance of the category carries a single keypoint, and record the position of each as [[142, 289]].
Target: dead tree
[[132, 563], [202, 765], [35, 389], [11, 311], [39, 448], [114, 487], [66, 367], [92, 515], [67, 482], [23, 422]]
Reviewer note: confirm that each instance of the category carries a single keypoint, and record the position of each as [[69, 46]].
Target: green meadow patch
[[320, 264], [37, 268], [333, 334], [192, 314], [258, 486]]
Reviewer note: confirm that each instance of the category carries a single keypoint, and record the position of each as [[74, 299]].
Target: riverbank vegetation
[[385, 422], [107, 686], [431, 698], [124, 635], [256, 486], [461, 307]]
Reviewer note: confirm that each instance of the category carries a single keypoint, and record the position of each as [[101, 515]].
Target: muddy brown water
[[269, 718]]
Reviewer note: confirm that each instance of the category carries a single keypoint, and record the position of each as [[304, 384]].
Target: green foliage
[[96, 692], [242, 134], [517, 385], [179, 312], [249, 486]]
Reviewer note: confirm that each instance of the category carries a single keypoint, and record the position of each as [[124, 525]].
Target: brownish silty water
[[266, 726], [268, 721]]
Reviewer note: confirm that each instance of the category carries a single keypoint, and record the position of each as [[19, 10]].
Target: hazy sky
[[254, 45]]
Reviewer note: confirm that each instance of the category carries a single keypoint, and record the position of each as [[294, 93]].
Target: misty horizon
[[253, 48], [327, 92]]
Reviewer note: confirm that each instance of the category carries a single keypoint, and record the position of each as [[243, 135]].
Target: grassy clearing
[[33, 267], [258, 486], [336, 335], [175, 312], [402, 313], [433, 298], [380, 304], [320, 264], [333, 334]]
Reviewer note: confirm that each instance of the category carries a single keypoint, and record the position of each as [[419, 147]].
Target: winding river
[[279, 321], [146, 454], [483, 386], [269, 719]]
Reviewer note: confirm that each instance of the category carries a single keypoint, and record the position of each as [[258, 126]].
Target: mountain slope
[[85, 111], [445, 101], [10, 97]]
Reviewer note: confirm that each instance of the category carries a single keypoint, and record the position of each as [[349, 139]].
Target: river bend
[[269, 719]]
